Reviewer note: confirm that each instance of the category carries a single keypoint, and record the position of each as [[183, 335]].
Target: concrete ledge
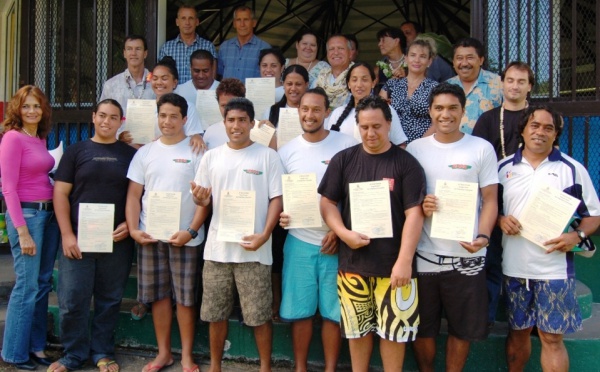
[[486, 355]]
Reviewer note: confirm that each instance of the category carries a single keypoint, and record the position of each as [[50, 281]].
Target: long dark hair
[[274, 112], [350, 105]]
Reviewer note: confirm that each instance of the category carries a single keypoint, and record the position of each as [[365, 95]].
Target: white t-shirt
[[215, 135], [255, 167], [522, 258], [188, 91], [302, 156], [350, 128], [471, 159], [161, 167]]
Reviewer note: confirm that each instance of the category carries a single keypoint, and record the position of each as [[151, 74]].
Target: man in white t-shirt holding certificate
[[242, 181], [310, 253], [164, 221], [461, 176]]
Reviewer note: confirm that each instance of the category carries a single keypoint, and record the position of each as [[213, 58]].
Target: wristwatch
[[581, 235], [192, 232]]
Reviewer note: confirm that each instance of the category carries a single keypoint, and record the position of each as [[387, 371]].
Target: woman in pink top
[[32, 229]]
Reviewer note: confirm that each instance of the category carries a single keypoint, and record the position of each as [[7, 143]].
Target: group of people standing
[[476, 127]]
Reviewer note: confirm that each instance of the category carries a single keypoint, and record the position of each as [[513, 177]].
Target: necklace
[[302, 64], [502, 144], [29, 134], [502, 132], [131, 92], [400, 62]]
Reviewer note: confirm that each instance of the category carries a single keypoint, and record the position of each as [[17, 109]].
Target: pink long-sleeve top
[[24, 165]]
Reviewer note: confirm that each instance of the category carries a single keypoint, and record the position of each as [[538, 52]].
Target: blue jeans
[[27, 312], [103, 276]]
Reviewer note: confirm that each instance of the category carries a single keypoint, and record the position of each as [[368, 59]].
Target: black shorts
[[463, 298]]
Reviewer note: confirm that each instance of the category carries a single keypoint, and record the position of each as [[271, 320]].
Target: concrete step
[[486, 355], [585, 297]]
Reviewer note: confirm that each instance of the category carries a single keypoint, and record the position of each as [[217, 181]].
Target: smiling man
[[167, 268], [540, 283], [133, 83], [482, 88], [376, 274], [240, 164], [238, 56], [188, 41], [100, 277], [333, 78], [310, 254], [202, 64], [451, 273]]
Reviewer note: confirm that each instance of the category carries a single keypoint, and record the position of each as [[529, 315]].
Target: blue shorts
[[551, 305], [309, 280]]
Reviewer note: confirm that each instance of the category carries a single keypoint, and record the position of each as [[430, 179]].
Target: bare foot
[[57, 367]]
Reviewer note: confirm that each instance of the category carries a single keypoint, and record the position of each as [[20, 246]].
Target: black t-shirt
[[407, 184], [488, 128], [98, 173]]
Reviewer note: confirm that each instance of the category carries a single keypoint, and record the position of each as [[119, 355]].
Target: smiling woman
[[306, 55], [31, 225]]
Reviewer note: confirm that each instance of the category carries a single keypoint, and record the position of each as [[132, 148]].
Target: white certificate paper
[[236, 215], [261, 91], [457, 208], [207, 108], [262, 135], [289, 126], [95, 227], [546, 213], [162, 217], [370, 208], [301, 200], [141, 120]]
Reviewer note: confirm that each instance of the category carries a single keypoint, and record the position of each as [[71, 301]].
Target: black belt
[[40, 206]]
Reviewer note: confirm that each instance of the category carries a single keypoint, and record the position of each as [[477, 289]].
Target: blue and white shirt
[[522, 258], [181, 53]]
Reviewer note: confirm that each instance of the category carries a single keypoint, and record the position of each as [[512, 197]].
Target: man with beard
[[310, 254]]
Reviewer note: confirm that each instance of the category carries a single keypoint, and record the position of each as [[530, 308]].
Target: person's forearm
[[62, 211], [589, 225], [332, 217], [488, 217], [411, 234], [273, 212], [199, 217]]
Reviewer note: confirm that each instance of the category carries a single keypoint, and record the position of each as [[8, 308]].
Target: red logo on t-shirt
[[391, 182]]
